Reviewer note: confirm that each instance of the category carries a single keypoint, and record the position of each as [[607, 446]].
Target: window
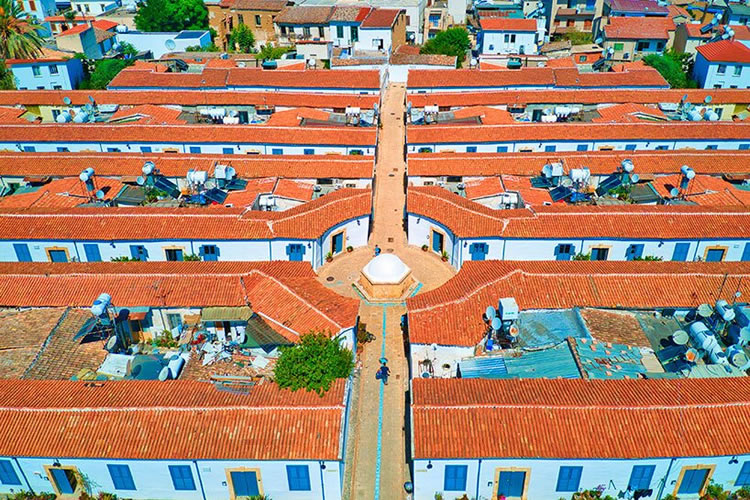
[[62, 150], [257, 20], [550, 149], [742, 480], [715, 255], [564, 251], [22, 252], [662, 148], [511, 483], [182, 476], [195, 149], [57, 255], [321, 33], [471, 149], [569, 478], [306, 31], [121, 477], [634, 252], [642, 46], [175, 321], [746, 253], [173, 254], [355, 34], [455, 477], [209, 253], [712, 147], [640, 478], [582, 59], [139, 252], [582, 147], [29, 149], [8, 474], [717, 86], [309, 151], [55, 114], [492, 47], [113, 150], [295, 251], [240, 19], [619, 47], [599, 253], [244, 483], [277, 151], [340, 31], [629, 147], [227, 151], [680, 252], [479, 251], [693, 481], [721, 69], [298, 477], [64, 480], [53, 69], [502, 149], [92, 252], [337, 243], [737, 70], [36, 70], [145, 149]]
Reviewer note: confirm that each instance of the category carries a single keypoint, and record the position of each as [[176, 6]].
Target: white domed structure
[[386, 276]]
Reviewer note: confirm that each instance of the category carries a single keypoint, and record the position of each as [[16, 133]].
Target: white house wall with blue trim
[[47, 75]]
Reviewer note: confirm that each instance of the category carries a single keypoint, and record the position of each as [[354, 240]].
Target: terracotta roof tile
[[488, 115], [725, 51], [44, 418], [22, 335], [148, 114], [583, 419], [351, 13], [628, 113], [507, 24], [640, 6], [301, 14], [381, 18], [703, 190], [294, 189], [531, 196], [269, 5], [483, 188], [75, 30], [457, 306], [616, 327], [599, 162], [638, 28], [61, 193], [247, 196], [104, 24]]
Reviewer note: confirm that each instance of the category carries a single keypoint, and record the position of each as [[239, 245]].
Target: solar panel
[[540, 182], [167, 186], [216, 195], [560, 193], [236, 185], [611, 182]]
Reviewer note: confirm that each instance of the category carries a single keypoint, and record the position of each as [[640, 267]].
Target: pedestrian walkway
[[379, 460]]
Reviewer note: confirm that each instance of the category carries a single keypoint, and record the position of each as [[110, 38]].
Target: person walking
[[384, 372], [377, 250]]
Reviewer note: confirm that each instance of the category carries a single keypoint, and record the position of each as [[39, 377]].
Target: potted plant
[[444, 256], [329, 257], [350, 248], [425, 247]]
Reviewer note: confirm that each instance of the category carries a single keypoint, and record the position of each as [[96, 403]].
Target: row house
[[258, 15], [510, 36], [722, 64], [631, 38]]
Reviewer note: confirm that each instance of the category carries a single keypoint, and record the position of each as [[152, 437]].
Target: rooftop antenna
[[688, 174], [87, 178]]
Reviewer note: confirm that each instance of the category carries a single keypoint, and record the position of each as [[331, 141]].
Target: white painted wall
[[444, 359], [509, 42], [708, 77]]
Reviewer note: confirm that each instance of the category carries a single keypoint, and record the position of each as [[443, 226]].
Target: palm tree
[[18, 36]]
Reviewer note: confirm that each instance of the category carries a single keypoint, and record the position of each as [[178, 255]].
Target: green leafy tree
[[18, 36], [451, 42], [171, 15], [269, 51], [69, 15], [104, 71], [7, 80], [127, 49], [242, 38], [579, 37], [207, 48], [674, 67], [313, 364]]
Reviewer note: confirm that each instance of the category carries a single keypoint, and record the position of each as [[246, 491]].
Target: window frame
[[451, 483], [7, 473], [116, 478], [176, 472], [578, 469], [650, 468], [745, 473], [292, 480]]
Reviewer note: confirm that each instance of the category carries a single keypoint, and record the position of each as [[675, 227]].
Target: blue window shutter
[[582, 147], [455, 477], [8, 474], [744, 477], [309, 151], [634, 252], [298, 477], [22, 252], [550, 149], [227, 151], [502, 149], [138, 252], [629, 147], [640, 477], [195, 149], [121, 477], [277, 151], [510, 484], [569, 478], [681, 252], [693, 481], [182, 477], [92, 252], [471, 149], [29, 149], [746, 253], [244, 483], [62, 481], [145, 149], [715, 255]]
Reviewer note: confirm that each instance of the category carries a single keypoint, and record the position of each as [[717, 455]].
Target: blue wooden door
[[245, 483], [22, 252], [58, 256], [715, 255], [92, 252], [210, 253], [437, 242], [681, 252], [634, 252], [295, 251], [510, 484], [746, 253], [338, 243], [479, 251], [64, 480]]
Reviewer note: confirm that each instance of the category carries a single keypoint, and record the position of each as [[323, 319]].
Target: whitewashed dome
[[386, 269]]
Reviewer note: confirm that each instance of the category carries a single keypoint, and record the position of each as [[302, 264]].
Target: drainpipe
[[695, 254], [664, 482], [28, 485], [479, 470], [200, 480], [78, 255], [322, 484]]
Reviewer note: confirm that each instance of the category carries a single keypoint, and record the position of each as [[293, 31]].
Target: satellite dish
[[705, 310], [100, 195], [674, 192], [737, 294], [708, 99], [140, 180], [111, 344], [684, 98], [67, 101], [745, 334], [490, 312], [148, 168], [680, 337], [170, 45], [635, 178], [566, 182], [496, 323]]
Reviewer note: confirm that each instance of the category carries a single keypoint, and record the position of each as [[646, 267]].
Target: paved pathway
[[378, 466]]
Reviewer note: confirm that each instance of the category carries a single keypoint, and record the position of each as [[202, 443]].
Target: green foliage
[[153, 194], [445, 255], [579, 37], [621, 192], [649, 258], [715, 492], [165, 340], [25, 495], [269, 51], [313, 364], [674, 67], [7, 80], [124, 259], [451, 42], [171, 15], [191, 258], [69, 14], [582, 256], [127, 49], [104, 71], [209, 48], [329, 256], [242, 38], [669, 496], [591, 495], [18, 36]]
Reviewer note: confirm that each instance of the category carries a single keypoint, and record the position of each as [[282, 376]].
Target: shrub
[[313, 364], [451, 42], [582, 256]]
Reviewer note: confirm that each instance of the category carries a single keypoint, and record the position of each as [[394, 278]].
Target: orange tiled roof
[[188, 98], [638, 28], [12, 115], [599, 162], [148, 114], [507, 24], [581, 419], [457, 306], [725, 51], [247, 196], [703, 190], [306, 221], [294, 189], [531, 196], [483, 188], [488, 115], [534, 132], [468, 219], [168, 420], [294, 117], [177, 165], [381, 18], [104, 24], [285, 293], [61, 193], [628, 113], [227, 134]]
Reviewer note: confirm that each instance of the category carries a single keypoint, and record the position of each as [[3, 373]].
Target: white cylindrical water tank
[[702, 337], [175, 366], [724, 311], [687, 172], [100, 305]]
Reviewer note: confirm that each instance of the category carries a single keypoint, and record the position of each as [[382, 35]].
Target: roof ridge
[[212, 407], [599, 407]]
